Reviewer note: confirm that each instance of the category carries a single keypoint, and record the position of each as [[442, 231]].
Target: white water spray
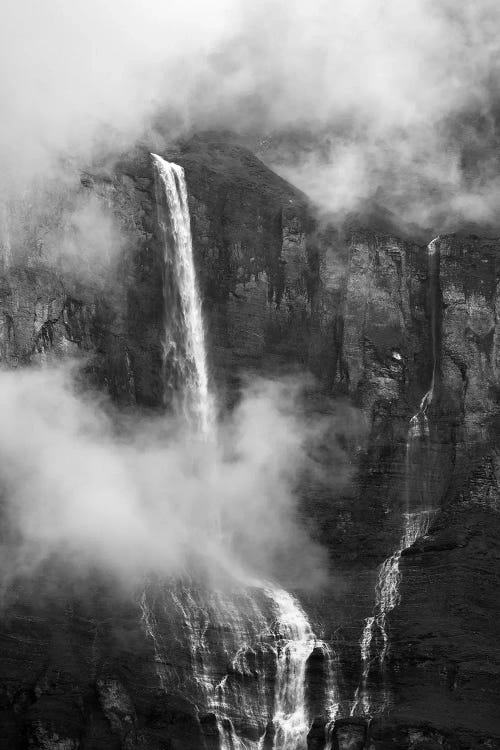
[[248, 649], [296, 642], [184, 341]]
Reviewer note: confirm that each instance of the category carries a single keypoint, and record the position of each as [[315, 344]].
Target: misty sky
[[397, 100]]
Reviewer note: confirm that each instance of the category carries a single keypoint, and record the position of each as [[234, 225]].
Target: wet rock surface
[[282, 291]]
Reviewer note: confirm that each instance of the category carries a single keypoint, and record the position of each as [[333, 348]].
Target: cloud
[[402, 98], [86, 485], [58, 225], [403, 110]]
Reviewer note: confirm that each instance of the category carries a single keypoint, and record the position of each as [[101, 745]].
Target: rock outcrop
[[282, 291]]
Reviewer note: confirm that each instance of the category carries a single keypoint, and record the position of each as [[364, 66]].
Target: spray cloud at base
[[84, 481], [140, 498]]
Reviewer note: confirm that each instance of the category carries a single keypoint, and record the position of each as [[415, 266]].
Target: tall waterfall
[[374, 640], [248, 642], [184, 354], [419, 423]]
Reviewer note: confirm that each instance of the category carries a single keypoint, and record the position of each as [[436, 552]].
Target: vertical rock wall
[[282, 291]]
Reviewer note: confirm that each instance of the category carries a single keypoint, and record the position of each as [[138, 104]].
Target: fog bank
[[397, 101], [132, 497]]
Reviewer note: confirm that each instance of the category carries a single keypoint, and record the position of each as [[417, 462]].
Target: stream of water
[[248, 642], [374, 640]]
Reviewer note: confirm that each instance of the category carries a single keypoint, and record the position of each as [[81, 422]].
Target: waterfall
[[247, 642], [387, 597], [247, 646], [419, 423], [375, 636], [296, 642], [184, 354]]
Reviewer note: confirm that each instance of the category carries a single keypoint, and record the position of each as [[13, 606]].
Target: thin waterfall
[[374, 640], [184, 353], [419, 423], [375, 636], [249, 642], [333, 702]]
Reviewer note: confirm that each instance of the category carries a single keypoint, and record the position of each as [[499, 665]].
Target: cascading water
[[296, 642], [387, 596], [247, 642], [184, 356], [374, 640], [247, 645]]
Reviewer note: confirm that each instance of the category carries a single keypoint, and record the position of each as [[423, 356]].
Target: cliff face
[[78, 279], [442, 668], [445, 659], [372, 319]]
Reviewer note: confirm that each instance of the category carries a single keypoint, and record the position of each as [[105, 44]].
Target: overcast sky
[[402, 96]]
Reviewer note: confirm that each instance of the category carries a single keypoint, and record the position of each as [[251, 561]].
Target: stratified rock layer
[[282, 292]]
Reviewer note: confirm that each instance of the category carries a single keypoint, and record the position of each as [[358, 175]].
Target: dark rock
[[349, 735], [368, 315]]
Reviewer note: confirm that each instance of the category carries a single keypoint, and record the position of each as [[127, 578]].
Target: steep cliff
[[283, 291]]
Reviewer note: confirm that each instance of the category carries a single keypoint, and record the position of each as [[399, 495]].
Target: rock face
[[445, 661], [74, 280], [372, 320]]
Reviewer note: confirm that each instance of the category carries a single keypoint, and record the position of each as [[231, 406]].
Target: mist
[[394, 102], [359, 101], [96, 488], [370, 100]]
